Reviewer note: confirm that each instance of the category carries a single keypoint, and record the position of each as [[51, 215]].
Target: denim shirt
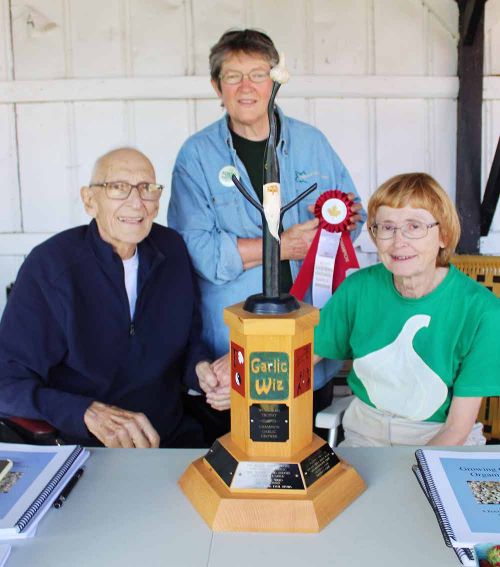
[[211, 214]]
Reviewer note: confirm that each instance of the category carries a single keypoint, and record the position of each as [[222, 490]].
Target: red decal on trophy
[[238, 368], [302, 370]]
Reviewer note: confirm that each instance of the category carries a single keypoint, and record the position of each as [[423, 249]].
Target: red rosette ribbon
[[334, 211]]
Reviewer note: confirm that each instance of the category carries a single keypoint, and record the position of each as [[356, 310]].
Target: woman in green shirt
[[422, 335]]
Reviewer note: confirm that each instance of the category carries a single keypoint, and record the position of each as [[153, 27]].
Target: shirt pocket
[[227, 209]]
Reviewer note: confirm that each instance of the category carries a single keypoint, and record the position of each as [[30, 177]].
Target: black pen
[[66, 491]]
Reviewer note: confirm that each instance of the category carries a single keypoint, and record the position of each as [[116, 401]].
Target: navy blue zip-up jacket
[[66, 337]]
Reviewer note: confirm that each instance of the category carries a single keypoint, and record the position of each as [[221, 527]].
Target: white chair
[[331, 418]]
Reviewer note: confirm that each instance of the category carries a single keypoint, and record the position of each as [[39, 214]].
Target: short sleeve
[[479, 373], [332, 334]]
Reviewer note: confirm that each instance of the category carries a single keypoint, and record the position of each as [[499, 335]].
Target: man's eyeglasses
[[120, 190], [410, 229], [235, 77]]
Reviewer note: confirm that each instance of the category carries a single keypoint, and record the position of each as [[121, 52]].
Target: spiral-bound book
[[36, 478], [4, 554], [463, 488]]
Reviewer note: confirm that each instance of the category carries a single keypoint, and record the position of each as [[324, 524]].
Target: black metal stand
[[270, 301], [263, 305]]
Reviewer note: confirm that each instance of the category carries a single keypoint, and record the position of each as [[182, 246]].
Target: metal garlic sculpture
[[270, 301]]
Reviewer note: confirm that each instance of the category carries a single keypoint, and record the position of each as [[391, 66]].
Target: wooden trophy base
[[302, 494]]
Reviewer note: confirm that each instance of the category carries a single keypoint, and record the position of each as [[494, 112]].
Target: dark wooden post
[[491, 194], [469, 110]]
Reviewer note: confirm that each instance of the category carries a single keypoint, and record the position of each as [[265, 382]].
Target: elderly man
[[101, 333]]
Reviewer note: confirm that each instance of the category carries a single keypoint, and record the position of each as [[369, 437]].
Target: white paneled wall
[[78, 77], [10, 211], [5, 42], [342, 37]]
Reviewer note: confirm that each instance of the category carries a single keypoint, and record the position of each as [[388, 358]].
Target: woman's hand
[[355, 208], [296, 240], [295, 243], [461, 418]]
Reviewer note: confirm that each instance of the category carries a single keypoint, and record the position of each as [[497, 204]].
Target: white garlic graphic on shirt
[[397, 380]]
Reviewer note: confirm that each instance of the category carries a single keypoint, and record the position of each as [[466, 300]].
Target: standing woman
[[422, 335], [221, 229]]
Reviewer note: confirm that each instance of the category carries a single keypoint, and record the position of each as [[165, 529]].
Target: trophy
[[271, 473]]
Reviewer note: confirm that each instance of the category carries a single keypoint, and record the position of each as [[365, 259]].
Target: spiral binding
[[444, 523], [46, 492]]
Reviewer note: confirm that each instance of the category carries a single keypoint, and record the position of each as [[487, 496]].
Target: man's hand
[[220, 397], [355, 208], [215, 381], [116, 427], [221, 370], [296, 240], [206, 376]]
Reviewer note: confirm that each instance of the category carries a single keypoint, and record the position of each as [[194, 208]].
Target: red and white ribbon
[[331, 254]]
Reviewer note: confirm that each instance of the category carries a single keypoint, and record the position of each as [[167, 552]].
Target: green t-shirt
[[411, 356]]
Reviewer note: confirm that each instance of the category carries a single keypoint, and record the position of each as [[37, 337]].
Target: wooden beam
[[198, 87], [491, 194], [474, 10], [469, 109]]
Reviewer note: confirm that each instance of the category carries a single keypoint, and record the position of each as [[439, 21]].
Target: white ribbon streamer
[[323, 267]]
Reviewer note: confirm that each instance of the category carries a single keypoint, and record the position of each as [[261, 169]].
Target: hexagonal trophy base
[[234, 492]]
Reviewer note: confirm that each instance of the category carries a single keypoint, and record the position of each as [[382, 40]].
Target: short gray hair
[[248, 41]]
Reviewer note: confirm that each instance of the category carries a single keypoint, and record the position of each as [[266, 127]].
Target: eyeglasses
[[235, 77], [120, 190], [410, 229]]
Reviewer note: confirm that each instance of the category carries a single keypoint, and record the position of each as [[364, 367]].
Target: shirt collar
[[149, 253], [102, 249], [284, 133]]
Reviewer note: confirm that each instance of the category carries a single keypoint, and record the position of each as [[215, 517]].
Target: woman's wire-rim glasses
[[235, 77], [410, 229]]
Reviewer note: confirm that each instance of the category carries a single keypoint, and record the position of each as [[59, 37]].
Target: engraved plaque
[[269, 422], [223, 463], [318, 464], [251, 474]]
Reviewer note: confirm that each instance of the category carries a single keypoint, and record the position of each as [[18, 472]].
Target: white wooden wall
[[79, 77]]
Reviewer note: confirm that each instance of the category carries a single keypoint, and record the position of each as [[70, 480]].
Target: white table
[[127, 510]]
